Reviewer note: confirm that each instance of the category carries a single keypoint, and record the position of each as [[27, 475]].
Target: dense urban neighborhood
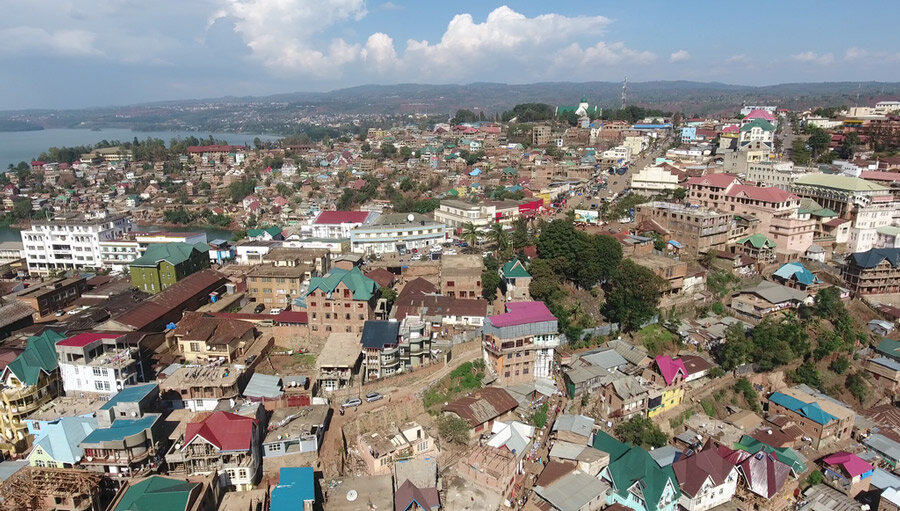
[[550, 308]]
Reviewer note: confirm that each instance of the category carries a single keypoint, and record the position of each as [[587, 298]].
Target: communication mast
[[625, 93]]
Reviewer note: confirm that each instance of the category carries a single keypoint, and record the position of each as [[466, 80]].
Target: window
[[101, 385], [99, 371], [275, 447]]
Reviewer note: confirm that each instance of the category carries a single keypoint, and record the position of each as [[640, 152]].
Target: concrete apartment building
[[397, 232], [338, 362], [698, 230], [779, 174], [118, 253], [519, 345], [875, 271], [671, 270], [70, 243], [461, 275], [391, 347], [340, 301], [336, 224], [97, 363], [541, 135], [821, 418], [53, 296], [276, 286], [202, 389], [457, 213], [776, 212]]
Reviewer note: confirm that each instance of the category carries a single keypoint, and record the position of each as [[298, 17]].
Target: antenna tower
[[625, 93]]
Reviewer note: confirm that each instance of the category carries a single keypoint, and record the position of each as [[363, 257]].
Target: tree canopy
[[633, 295]]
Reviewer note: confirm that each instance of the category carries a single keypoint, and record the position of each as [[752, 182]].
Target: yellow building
[[30, 381], [669, 398]]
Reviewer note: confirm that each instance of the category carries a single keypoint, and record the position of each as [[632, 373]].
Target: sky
[[82, 53]]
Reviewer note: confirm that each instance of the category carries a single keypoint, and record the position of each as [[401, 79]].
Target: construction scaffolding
[[40, 489]]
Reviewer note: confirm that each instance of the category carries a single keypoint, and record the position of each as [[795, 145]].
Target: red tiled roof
[[382, 276], [834, 222], [82, 340], [713, 180], [765, 194], [692, 471], [197, 326], [225, 430], [482, 406], [760, 114], [694, 364], [341, 217]]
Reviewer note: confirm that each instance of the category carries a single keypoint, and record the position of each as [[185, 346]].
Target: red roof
[[521, 313], [851, 463], [341, 217], [765, 194], [38, 163], [713, 180], [880, 176], [82, 340], [669, 368], [731, 129], [225, 430], [292, 317], [760, 114], [834, 222]]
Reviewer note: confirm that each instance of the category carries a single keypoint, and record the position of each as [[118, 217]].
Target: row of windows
[[362, 317]]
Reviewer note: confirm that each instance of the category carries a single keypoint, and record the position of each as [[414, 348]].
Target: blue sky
[[76, 53]]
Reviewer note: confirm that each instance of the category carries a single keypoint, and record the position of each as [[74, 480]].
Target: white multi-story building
[[864, 231], [457, 213], [749, 108], [653, 180], [70, 244], [97, 363], [336, 224], [397, 232], [619, 152], [779, 174]]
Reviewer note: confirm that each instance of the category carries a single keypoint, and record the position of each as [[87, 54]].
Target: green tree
[[21, 208], [365, 147], [827, 302], [406, 152], [736, 349], [240, 189], [453, 429], [799, 152], [679, 194], [284, 190], [520, 237], [815, 477], [839, 365], [545, 283], [389, 295], [641, 431], [633, 295], [469, 234], [498, 236], [539, 418], [463, 115], [490, 282], [388, 149], [856, 384], [806, 373]]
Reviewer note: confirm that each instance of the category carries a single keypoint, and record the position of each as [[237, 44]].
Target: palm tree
[[498, 236], [469, 234]]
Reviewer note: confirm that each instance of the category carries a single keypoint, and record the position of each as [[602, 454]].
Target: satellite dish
[[410, 217], [352, 495]]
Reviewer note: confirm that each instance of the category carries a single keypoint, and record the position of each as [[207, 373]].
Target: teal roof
[[295, 485], [631, 464], [362, 287], [889, 347], [757, 240], [798, 272], [39, 355], [129, 395], [174, 253], [60, 439], [811, 411], [273, 231], [157, 493], [758, 123], [120, 429], [510, 171], [515, 270], [785, 455]]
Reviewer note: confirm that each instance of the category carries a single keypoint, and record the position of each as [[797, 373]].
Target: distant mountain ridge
[[279, 112]]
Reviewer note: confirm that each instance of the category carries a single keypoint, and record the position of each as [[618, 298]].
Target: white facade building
[[779, 174], [336, 224], [70, 244], [619, 152], [118, 253], [96, 363], [397, 232], [864, 231], [653, 180]]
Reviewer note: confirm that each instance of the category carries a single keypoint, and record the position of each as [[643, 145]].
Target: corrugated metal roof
[[263, 386]]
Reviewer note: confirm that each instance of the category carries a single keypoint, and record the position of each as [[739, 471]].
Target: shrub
[[839, 365], [453, 429]]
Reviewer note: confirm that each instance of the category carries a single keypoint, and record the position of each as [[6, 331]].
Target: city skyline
[[106, 52]]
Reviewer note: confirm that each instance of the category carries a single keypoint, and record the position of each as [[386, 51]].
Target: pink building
[[776, 210]]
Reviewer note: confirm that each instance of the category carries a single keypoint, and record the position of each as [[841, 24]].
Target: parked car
[[373, 396], [275, 312], [60, 313], [259, 308], [353, 401]]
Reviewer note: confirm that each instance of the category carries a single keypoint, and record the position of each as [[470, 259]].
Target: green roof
[[889, 348], [362, 287], [890, 230], [273, 231], [758, 123], [39, 355], [785, 455], [840, 182], [631, 464], [515, 270], [510, 171], [757, 240], [175, 253], [157, 493]]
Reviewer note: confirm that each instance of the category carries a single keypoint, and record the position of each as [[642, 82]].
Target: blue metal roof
[[120, 429], [129, 395], [295, 485], [811, 411], [798, 271]]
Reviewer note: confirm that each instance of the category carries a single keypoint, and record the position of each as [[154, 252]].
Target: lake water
[[13, 234], [16, 146]]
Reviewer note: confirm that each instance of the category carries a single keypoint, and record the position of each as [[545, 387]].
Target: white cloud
[[281, 33], [863, 56], [679, 56], [379, 51], [814, 58], [740, 58], [390, 6], [65, 42]]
